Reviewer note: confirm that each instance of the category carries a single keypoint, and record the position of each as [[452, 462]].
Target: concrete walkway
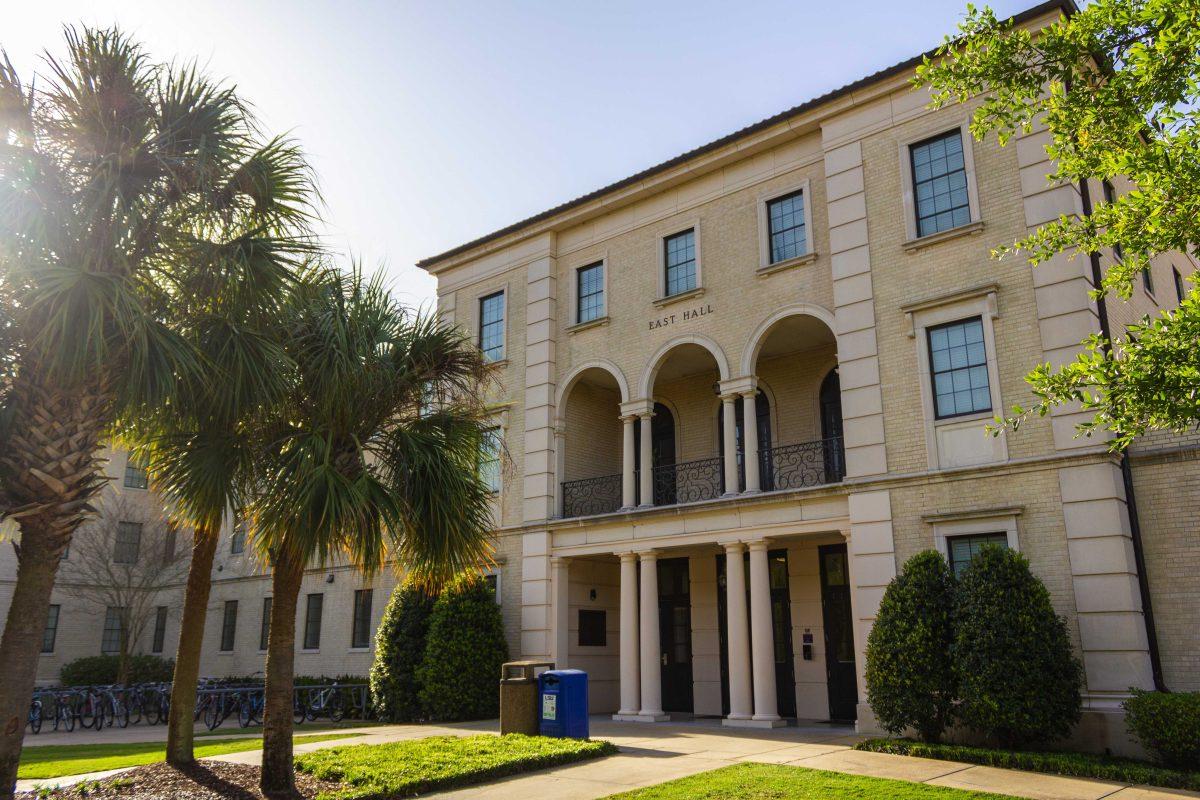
[[651, 754]]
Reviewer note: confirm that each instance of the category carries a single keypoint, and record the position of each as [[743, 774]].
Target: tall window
[[237, 539], [679, 257], [160, 629], [169, 537], [129, 542], [489, 458], [360, 634], [961, 549], [265, 630], [958, 362], [491, 326], [135, 474], [312, 621], [492, 579], [50, 633], [590, 288], [110, 639], [1148, 279], [229, 626], [785, 225], [940, 183], [1179, 292]]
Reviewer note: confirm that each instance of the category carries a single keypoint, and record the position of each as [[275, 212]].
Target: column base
[[640, 717], [626, 508], [646, 505], [752, 491], [730, 722]]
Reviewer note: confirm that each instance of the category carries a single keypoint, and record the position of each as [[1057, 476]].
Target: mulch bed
[[206, 780]]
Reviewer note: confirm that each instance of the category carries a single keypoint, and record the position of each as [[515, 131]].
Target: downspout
[[1135, 527]]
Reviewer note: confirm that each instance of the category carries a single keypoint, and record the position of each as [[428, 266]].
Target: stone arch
[[564, 388], [646, 385], [755, 343]]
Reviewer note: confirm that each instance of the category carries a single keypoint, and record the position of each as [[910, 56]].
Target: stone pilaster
[[872, 564]]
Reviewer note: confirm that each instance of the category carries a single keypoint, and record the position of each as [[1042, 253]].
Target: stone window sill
[[591, 323], [499, 363], [780, 266], [691, 294], [913, 245]]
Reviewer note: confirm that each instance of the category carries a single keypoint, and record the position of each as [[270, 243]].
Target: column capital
[[747, 384], [643, 407], [733, 546], [560, 561], [758, 544], [648, 555], [627, 555]]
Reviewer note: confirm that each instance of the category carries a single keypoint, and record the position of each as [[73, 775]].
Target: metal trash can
[[564, 703], [519, 696]]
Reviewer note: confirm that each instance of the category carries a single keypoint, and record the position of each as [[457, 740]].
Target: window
[[785, 227], [312, 622], [237, 539], [229, 626], [160, 629], [1179, 291], [491, 326], [589, 285], [940, 183], [110, 639], [169, 537], [592, 628], [360, 635], [265, 630], [489, 459], [135, 473], [679, 258], [958, 363], [1147, 279], [492, 579], [129, 542], [50, 633], [961, 549]]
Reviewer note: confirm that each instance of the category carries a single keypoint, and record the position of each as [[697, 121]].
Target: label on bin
[[549, 706]]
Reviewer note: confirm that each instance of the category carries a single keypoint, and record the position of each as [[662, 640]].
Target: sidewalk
[[651, 754]]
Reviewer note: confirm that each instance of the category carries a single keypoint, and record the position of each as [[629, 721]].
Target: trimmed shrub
[[1167, 724], [910, 677], [1017, 675], [399, 647], [459, 676], [94, 670]]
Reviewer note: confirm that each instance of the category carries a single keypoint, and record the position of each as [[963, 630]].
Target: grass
[[1079, 765], [403, 769], [57, 760], [778, 782]]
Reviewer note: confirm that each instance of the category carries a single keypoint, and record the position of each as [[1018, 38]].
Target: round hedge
[[1168, 725], [910, 676], [399, 647], [459, 677], [1018, 677]]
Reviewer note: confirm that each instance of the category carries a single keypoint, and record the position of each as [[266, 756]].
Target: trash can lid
[[564, 672]]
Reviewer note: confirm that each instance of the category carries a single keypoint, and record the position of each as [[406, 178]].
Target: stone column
[[651, 646], [628, 473], [729, 435], [741, 707], [762, 641], [647, 465], [750, 435], [631, 699], [560, 610]]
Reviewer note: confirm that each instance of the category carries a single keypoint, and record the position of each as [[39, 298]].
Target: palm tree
[[373, 458], [115, 172]]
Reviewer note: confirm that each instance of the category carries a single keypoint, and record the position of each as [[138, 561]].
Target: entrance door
[[831, 427], [781, 624], [675, 634], [839, 633]]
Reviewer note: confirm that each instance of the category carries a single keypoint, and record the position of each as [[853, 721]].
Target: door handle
[[664, 659]]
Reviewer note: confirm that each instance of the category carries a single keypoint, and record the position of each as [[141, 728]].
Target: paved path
[[651, 754]]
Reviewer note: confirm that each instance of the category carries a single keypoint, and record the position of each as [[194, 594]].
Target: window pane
[[360, 636], [229, 625], [489, 459], [491, 326], [129, 542], [940, 184], [958, 366], [962, 549], [160, 629], [680, 260], [591, 292], [135, 474], [785, 226], [312, 622], [51, 631], [110, 639]]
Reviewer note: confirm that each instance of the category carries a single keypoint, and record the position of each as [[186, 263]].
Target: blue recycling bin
[[563, 703]]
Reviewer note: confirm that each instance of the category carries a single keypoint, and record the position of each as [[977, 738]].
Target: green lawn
[[57, 760], [403, 769], [775, 782]]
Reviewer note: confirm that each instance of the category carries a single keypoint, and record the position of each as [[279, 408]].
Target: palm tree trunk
[[181, 719], [277, 774]]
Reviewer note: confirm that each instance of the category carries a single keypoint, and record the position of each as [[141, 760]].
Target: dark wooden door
[[675, 634], [839, 633], [831, 427]]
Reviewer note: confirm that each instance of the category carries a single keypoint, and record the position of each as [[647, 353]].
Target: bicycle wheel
[[245, 713], [299, 712], [133, 707], [335, 708], [68, 717], [152, 707], [35, 717], [120, 711], [212, 715]]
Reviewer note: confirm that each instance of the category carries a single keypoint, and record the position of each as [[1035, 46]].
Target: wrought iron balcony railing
[[589, 496], [688, 482], [795, 466]]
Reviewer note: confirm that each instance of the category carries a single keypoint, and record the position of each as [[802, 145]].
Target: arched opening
[[797, 357], [590, 461]]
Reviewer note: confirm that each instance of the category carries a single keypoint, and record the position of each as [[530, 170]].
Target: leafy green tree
[[1117, 84], [399, 647], [127, 190], [910, 677], [460, 672], [371, 457], [1017, 675]]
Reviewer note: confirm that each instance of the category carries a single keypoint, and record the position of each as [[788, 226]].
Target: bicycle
[[35, 715], [328, 700]]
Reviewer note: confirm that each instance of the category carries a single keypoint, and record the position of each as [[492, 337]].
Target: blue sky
[[432, 123]]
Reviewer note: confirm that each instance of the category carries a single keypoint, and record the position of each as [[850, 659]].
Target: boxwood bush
[[1167, 725], [1018, 677], [94, 670], [910, 676], [459, 675], [399, 647]]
